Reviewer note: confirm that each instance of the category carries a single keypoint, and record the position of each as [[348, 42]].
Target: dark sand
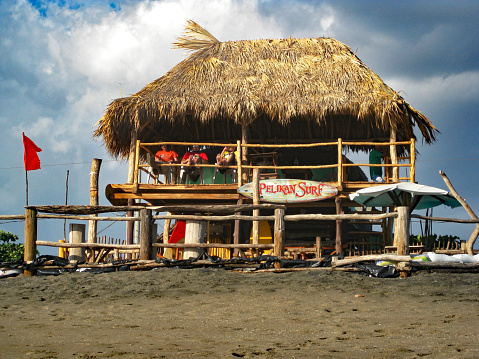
[[215, 313]]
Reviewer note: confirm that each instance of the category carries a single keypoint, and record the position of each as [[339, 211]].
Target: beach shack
[[292, 110]]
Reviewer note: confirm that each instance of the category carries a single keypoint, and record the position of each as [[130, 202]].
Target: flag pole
[[26, 182]]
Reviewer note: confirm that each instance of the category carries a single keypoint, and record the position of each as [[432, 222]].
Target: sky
[[62, 62]]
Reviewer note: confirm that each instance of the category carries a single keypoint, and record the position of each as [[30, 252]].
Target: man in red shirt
[[166, 156], [191, 159]]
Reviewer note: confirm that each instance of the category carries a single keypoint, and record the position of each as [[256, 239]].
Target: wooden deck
[[209, 194]]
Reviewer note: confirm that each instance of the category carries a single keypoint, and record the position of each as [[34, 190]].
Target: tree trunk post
[[145, 233], [30, 238], [194, 233]]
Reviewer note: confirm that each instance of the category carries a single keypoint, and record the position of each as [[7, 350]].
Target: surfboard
[[290, 190]]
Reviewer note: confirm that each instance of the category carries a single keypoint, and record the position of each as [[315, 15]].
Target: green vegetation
[[435, 241], [10, 251]]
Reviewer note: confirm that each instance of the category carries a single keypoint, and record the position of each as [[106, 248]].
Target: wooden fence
[[146, 218], [202, 213]]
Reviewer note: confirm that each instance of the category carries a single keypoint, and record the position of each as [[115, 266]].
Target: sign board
[[290, 190]]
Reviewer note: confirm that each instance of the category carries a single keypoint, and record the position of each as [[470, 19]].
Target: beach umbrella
[[406, 196], [412, 195]]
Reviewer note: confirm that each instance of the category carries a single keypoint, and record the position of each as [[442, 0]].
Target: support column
[[194, 233], [77, 235]]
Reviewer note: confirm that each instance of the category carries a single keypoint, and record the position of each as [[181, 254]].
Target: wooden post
[[340, 164], [239, 175], [412, 155], [236, 234], [278, 235], [92, 225], [244, 153], [194, 233], [339, 242], [77, 235], [255, 229], [145, 234], [402, 230], [154, 238], [30, 238], [135, 170], [393, 154], [131, 179], [132, 157], [166, 228]]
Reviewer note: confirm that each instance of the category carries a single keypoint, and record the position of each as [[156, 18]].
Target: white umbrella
[[412, 195], [406, 196]]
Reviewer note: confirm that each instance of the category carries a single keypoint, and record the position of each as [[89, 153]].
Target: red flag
[[32, 162]]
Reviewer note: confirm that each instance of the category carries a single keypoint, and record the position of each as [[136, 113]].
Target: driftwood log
[[475, 233]]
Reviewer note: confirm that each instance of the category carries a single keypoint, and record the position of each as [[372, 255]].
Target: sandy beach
[[216, 313]]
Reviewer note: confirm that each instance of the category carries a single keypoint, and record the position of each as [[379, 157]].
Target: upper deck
[[320, 161]]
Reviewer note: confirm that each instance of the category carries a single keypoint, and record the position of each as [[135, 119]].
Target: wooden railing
[[244, 169]]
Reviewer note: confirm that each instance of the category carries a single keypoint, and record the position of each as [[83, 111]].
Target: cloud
[[63, 62]]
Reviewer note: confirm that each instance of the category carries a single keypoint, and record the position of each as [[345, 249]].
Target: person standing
[[375, 157]]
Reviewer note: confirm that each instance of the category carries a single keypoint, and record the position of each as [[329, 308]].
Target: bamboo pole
[[30, 238], [475, 233]]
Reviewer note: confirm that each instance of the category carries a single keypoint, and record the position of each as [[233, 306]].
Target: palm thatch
[[284, 90]]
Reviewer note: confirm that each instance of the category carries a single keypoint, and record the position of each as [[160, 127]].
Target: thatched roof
[[285, 90]]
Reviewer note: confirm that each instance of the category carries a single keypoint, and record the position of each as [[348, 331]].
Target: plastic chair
[[231, 171], [187, 174]]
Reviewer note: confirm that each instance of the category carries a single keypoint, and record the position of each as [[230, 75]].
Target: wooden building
[[293, 108]]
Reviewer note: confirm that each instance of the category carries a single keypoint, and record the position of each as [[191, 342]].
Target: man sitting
[[227, 157], [166, 156], [191, 159]]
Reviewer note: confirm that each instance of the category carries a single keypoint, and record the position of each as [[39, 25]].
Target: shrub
[[10, 251]]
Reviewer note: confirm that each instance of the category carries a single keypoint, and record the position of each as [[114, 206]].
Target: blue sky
[[63, 62]]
